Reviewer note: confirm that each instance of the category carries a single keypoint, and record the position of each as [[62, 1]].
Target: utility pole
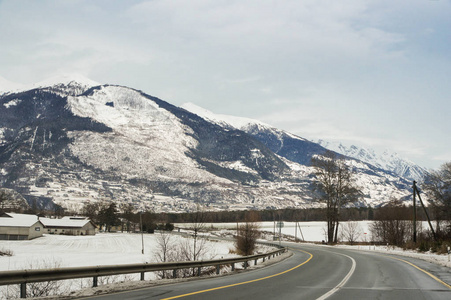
[[142, 234], [414, 212], [274, 229], [415, 190], [296, 231]]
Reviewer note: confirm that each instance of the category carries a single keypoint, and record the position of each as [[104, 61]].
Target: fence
[[23, 277]]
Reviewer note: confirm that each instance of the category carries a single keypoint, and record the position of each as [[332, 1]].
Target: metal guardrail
[[23, 277]]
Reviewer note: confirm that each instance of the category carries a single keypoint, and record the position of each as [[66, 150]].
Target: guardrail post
[[95, 281], [174, 273], [23, 290], [218, 268], [245, 264], [255, 262], [198, 271], [142, 276], [233, 267]]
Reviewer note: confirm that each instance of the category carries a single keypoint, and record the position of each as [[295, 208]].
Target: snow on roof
[[64, 222], [18, 220], [23, 220]]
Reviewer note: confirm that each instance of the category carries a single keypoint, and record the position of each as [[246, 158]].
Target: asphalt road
[[316, 272]]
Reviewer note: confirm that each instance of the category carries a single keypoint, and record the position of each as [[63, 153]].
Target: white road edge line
[[343, 282]]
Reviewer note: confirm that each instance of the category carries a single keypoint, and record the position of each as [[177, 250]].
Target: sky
[[371, 73]]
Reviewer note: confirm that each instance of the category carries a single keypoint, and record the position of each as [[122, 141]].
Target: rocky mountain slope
[[378, 184], [72, 141]]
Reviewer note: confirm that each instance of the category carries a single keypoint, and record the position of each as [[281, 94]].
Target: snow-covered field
[[123, 248], [101, 249], [59, 251], [305, 231]]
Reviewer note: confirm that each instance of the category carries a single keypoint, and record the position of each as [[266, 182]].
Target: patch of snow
[[237, 165], [13, 102], [237, 122]]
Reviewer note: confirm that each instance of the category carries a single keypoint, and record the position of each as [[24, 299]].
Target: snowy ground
[[59, 251], [315, 232], [101, 249], [443, 259], [122, 248], [305, 231]]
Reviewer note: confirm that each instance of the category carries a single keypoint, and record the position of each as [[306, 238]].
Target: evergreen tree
[[109, 217]]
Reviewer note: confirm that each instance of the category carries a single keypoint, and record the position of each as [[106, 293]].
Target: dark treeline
[[288, 214]]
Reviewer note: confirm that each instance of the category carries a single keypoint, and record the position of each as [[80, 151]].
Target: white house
[[69, 226], [20, 227]]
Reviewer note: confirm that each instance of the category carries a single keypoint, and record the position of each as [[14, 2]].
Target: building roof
[[18, 220], [24, 220], [66, 222]]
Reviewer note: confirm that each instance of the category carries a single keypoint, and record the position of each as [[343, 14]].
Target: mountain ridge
[[74, 143], [387, 160]]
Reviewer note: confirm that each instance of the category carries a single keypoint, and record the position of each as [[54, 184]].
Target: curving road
[[316, 272]]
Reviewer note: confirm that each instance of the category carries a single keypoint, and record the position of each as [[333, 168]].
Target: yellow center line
[[245, 282], [424, 271]]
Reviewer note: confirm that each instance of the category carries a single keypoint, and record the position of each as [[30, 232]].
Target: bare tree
[[351, 231], [392, 225], [248, 234], [198, 224], [335, 186], [165, 251], [438, 188], [46, 288]]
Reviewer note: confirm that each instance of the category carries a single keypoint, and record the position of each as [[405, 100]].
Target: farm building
[[20, 227], [69, 226]]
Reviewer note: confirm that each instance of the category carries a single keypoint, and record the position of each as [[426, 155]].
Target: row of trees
[[394, 223], [334, 185], [109, 215]]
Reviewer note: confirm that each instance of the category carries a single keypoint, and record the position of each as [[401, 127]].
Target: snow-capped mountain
[[376, 182], [285, 144], [387, 160], [76, 141]]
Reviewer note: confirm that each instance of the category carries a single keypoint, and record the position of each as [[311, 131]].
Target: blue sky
[[371, 73]]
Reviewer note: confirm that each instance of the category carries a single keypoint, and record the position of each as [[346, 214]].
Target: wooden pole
[[414, 213], [296, 231], [427, 215]]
